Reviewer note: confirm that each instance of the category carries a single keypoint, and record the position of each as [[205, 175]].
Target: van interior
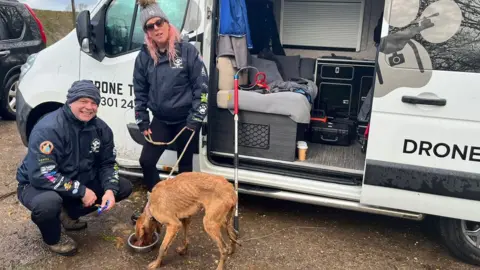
[[306, 79]]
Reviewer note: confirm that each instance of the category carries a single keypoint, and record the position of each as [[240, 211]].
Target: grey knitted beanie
[[83, 88], [150, 9]]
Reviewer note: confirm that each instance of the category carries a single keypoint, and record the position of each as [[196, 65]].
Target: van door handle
[[4, 52], [424, 101]]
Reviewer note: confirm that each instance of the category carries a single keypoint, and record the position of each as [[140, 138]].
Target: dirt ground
[[275, 235]]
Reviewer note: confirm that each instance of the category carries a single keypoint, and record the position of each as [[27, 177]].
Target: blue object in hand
[[100, 209]]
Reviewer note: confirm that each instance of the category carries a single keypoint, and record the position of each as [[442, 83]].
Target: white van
[[422, 157]]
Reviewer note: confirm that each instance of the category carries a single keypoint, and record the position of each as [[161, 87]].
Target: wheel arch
[[10, 73], [38, 112]]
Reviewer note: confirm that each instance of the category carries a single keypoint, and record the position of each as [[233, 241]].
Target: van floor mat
[[348, 157]]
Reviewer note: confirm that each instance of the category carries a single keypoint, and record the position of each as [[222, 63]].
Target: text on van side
[[442, 150], [115, 88]]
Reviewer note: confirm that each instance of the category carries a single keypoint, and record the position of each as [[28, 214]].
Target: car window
[[118, 24], [11, 23]]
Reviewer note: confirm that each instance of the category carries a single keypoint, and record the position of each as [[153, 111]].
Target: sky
[[56, 4]]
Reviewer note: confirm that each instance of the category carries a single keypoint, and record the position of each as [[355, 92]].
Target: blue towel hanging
[[233, 19]]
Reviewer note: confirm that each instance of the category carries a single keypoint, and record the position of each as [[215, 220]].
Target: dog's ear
[[140, 230]]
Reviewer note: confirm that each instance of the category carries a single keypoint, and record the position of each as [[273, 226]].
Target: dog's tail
[[230, 230]]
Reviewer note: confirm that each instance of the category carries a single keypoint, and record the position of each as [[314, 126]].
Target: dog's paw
[[181, 250], [154, 265]]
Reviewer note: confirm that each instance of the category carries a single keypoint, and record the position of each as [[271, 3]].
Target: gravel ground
[[276, 235]]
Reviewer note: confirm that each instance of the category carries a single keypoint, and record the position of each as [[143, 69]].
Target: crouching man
[[70, 166]]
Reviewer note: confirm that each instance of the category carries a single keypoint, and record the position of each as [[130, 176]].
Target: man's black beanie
[[83, 88]]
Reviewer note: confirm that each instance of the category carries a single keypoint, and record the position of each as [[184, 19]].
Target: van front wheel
[[462, 239]]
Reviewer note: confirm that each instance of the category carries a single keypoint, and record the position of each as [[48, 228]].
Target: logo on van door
[[419, 33], [442, 150]]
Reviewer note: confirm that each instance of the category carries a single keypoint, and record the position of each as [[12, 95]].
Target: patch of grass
[[57, 24]]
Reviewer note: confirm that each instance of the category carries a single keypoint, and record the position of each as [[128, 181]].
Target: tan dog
[[174, 201]]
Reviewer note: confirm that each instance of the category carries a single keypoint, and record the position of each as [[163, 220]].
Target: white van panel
[[421, 203], [51, 75], [425, 157]]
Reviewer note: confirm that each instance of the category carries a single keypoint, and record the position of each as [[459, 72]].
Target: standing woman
[[170, 80]]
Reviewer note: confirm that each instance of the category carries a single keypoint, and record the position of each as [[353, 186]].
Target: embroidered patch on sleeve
[[46, 147], [202, 109], [76, 185], [204, 98], [197, 119], [68, 185]]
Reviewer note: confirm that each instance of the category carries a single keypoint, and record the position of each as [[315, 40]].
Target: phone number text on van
[[116, 89]]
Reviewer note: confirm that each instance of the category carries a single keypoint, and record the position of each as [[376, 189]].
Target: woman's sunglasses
[[151, 26]]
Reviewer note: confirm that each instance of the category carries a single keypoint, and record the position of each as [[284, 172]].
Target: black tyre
[[7, 101], [462, 239]]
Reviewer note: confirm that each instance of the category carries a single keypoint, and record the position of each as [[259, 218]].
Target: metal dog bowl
[[144, 249]]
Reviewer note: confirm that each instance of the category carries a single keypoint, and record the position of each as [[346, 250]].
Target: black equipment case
[[335, 132], [343, 85]]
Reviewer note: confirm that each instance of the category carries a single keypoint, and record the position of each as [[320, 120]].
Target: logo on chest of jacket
[[177, 63], [95, 146]]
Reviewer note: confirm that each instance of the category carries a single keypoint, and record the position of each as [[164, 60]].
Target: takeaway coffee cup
[[302, 150]]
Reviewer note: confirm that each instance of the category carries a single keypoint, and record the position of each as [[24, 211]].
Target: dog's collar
[[147, 211]]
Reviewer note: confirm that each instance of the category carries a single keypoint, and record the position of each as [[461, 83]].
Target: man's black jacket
[[174, 92], [65, 154]]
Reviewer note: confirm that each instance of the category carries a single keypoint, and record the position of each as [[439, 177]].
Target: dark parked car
[[21, 34]]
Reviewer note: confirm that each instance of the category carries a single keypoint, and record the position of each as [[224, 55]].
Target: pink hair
[[173, 37]]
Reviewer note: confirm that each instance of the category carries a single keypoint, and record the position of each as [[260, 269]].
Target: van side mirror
[[84, 31]]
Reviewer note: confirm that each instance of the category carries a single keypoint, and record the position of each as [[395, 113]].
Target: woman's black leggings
[[151, 153]]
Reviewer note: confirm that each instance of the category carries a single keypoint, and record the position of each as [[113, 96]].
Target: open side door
[[423, 150]]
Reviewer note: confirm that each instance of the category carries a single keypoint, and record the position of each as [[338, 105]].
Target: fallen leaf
[[109, 238], [119, 242]]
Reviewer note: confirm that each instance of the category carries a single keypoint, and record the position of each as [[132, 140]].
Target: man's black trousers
[[46, 205]]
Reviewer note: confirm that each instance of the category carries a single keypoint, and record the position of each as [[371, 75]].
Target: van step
[[327, 202], [291, 170]]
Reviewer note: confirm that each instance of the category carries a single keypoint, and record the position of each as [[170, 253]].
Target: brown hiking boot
[[66, 246], [71, 224]]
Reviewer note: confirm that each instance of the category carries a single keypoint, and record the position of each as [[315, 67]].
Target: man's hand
[[89, 198], [108, 196], [146, 132]]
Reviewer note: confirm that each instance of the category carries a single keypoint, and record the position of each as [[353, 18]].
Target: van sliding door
[[423, 150]]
